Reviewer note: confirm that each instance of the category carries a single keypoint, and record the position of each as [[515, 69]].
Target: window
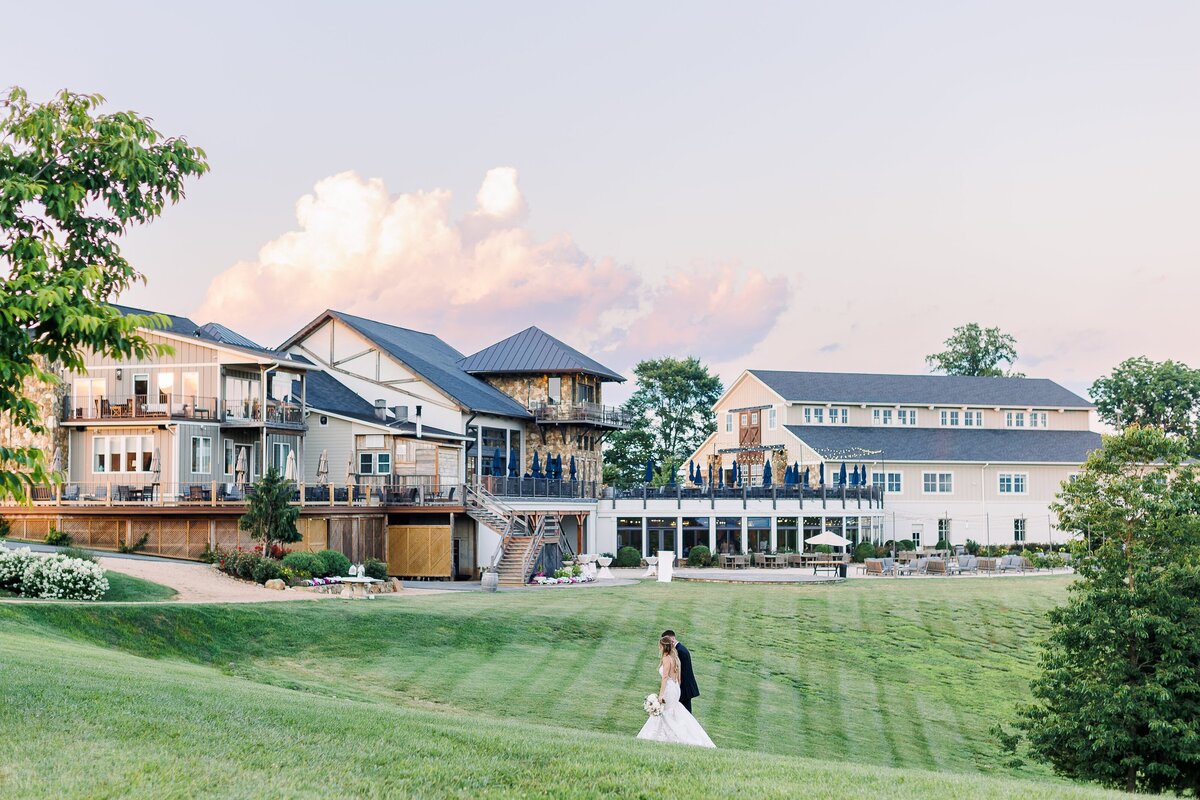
[[230, 456], [141, 387], [494, 458], [753, 418], [807, 416], [845, 415], [906, 416], [890, 481], [366, 463], [973, 419], [100, 454], [1018, 530], [943, 529], [166, 386], [729, 421], [375, 462], [1015, 419], [938, 482], [950, 419], [881, 416], [1012, 482], [819, 416], [1037, 419], [201, 454], [555, 390], [383, 463], [191, 387], [771, 419], [745, 420], [133, 454], [88, 394], [917, 530], [279, 456]]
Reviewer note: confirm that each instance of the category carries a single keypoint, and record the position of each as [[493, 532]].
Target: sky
[[809, 186]]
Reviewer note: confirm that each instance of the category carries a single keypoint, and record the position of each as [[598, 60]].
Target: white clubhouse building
[[940, 457]]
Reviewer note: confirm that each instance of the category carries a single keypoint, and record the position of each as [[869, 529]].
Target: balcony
[[580, 414], [140, 407], [250, 413], [538, 488]]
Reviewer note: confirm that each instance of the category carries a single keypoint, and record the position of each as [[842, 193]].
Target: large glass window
[[201, 461], [890, 481], [230, 457], [191, 387], [555, 389], [629, 533], [729, 535], [695, 532], [812, 527], [166, 386], [851, 531], [1018, 530], [1012, 482], [662, 534], [494, 445], [88, 394], [787, 535], [759, 533], [132, 454], [279, 456], [100, 454]]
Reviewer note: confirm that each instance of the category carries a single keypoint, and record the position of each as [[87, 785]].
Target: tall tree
[[972, 350], [1139, 391], [270, 515], [72, 181], [1117, 700], [672, 414]]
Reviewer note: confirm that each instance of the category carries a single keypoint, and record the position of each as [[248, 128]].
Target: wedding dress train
[[675, 724]]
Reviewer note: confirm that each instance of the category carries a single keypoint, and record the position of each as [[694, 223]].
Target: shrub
[[78, 552], [58, 577], [133, 547], [13, 564], [824, 548], [943, 544], [376, 569], [5, 528], [304, 565], [863, 551], [628, 557], [336, 564], [266, 569], [561, 573], [972, 547], [699, 556], [58, 538]]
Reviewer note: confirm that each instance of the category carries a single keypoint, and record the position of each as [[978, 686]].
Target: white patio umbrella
[[831, 539], [323, 468], [289, 470], [239, 470], [350, 470], [56, 462]]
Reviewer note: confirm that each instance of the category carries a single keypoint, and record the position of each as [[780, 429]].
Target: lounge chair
[[968, 563], [935, 566], [1011, 564], [875, 566]]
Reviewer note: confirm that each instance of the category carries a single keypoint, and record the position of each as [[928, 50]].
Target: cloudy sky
[[828, 186]]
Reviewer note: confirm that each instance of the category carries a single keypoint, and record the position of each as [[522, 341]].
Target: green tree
[[672, 415], [71, 182], [1118, 700], [972, 350], [270, 516], [1139, 391]]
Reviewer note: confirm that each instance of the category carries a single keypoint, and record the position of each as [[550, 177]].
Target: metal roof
[[956, 390], [534, 351], [437, 362], [324, 392], [998, 445], [220, 333], [180, 325], [209, 332]]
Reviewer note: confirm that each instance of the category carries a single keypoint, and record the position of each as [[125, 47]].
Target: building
[[940, 457]]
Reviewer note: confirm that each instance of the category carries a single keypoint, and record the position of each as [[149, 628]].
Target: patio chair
[[1011, 564], [968, 563], [71, 492], [987, 564], [936, 566], [874, 566]]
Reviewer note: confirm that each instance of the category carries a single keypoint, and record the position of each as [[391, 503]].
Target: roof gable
[[958, 390], [537, 352], [436, 362]]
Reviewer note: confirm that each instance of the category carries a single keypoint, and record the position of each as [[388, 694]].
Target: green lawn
[[124, 588], [472, 693]]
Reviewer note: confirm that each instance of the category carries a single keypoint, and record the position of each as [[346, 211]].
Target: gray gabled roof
[[997, 445], [954, 390], [436, 362], [326, 393], [176, 324], [221, 333], [533, 351], [209, 332]]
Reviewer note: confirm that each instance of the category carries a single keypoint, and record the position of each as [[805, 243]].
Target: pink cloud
[[402, 259]]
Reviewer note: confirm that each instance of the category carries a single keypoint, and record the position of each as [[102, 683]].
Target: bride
[[675, 724]]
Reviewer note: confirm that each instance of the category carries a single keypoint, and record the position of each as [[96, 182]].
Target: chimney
[[401, 413], [381, 409], [418, 422]]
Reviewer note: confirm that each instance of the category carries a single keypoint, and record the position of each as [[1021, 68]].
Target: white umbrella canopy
[[350, 470], [289, 470], [323, 468], [240, 468], [56, 462], [831, 539], [155, 466]]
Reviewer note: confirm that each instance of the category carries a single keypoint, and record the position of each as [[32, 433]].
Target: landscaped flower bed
[[573, 574], [51, 576]]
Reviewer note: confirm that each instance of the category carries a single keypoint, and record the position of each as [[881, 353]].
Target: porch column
[[745, 535], [712, 534], [679, 537], [774, 532], [645, 538]]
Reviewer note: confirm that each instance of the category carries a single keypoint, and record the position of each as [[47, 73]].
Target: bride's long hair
[[667, 645]]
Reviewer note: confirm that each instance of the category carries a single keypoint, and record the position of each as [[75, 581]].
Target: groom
[[687, 679]]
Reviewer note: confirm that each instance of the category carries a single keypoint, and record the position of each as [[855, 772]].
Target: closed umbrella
[[350, 474], [710, 474], [239, 471], [821, 474], [854, 476], [649, 477], [671, 475], [737, 473], [513, 468], [721, 477], [573, 474], [558, 467], [767, 474], [842, 474], [289, 470], [322, 468], [787, 475], [56, 462], [537, 465], [807, 475]]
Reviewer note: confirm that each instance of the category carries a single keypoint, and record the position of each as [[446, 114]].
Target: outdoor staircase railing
[[485, 507]]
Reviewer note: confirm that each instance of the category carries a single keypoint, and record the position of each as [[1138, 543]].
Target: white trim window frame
[[729, 422], [881, 416], [1020, 529], [1013, 483], [950, 418], [973, 419], [889, 481], [937, 483], [1038, 419], [1014, 419], [772, 418], [201, 455], [279, 462], [230, 456]]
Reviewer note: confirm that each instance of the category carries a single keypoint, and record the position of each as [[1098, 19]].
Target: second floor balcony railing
[[140, 406], [583, 413], [537, 488], [251, 412]]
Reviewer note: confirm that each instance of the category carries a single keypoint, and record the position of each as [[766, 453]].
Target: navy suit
[[687, 679]]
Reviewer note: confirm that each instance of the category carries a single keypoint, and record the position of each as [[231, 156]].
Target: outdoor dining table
[[774, 559], [831, 566]]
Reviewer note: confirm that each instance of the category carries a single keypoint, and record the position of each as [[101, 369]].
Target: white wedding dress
[[675, 724]]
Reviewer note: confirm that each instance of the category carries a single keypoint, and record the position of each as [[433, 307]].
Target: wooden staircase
[[513, 563], [519, 546]]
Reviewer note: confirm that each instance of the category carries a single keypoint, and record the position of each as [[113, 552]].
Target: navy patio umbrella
[[737, 473], [513, 468], [649, 470], [822, 473], [496, 458], [573, 474], [854, 476], [842, 474], [537, 465], [767, 475], [807, 470]]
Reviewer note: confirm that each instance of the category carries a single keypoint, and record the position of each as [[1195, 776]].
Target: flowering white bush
[[55, 576], [542, 580], [13, 564]]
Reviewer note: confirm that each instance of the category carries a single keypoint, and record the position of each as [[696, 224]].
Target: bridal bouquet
[[653, 705]]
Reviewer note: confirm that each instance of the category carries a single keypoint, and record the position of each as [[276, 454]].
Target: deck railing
[[140, 406], [250, 412], [873, 496], [582, 412], [410, 491], [536, 488]]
